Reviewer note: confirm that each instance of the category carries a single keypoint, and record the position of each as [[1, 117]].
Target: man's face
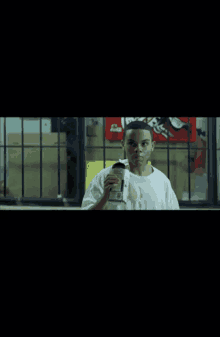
[[138, 146]]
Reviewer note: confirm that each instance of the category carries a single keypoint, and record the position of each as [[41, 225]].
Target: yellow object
[[94, 167]]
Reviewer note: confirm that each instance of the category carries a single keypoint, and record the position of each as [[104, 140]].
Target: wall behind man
[[179, 175]]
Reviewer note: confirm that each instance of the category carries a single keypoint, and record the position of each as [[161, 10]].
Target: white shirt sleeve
[[94, 192], [172, 201]]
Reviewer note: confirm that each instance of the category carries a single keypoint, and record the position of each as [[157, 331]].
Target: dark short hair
[[138, 125]]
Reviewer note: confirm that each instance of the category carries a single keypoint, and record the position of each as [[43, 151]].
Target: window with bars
[[50, 160], [41, 160]]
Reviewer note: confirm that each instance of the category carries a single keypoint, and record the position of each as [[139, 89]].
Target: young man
[[147, 188]]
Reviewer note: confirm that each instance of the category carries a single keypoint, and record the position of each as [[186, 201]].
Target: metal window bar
[[104, 144], [41, 159], [5, 157], [124, 149], [59, 168], [168, 151], [212, 162], [22, 137], [189, 161]]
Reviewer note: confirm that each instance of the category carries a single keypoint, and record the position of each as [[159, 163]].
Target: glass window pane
[[15, 171], [2, 171], [179, 173], [14, 130], [159, 160], [199, 161], [202, 128], [31, 173], [50, 172], [32, 131]]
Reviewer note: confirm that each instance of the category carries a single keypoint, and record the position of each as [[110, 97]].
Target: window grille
[[75, 161]]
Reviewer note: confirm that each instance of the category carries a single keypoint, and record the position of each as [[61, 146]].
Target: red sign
[[178, 128], [113, 130]]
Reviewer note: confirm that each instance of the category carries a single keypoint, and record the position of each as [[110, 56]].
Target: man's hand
[[110, 181]]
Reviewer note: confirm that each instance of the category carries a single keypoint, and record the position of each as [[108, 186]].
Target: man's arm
[[100, 204], [94, 198]]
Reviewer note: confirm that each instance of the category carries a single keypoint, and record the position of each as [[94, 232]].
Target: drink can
[[116, 193]]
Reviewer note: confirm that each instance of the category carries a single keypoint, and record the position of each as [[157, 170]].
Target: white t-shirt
[[153, 192]]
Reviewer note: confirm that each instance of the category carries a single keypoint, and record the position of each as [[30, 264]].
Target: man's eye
[[135, 144]]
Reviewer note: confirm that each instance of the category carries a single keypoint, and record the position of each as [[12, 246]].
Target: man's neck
[[142, 173]]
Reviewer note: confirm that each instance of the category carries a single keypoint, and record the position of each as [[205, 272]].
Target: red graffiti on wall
[[177, 129]]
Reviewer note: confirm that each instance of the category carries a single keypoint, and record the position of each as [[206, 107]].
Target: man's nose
[[139, 148]]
